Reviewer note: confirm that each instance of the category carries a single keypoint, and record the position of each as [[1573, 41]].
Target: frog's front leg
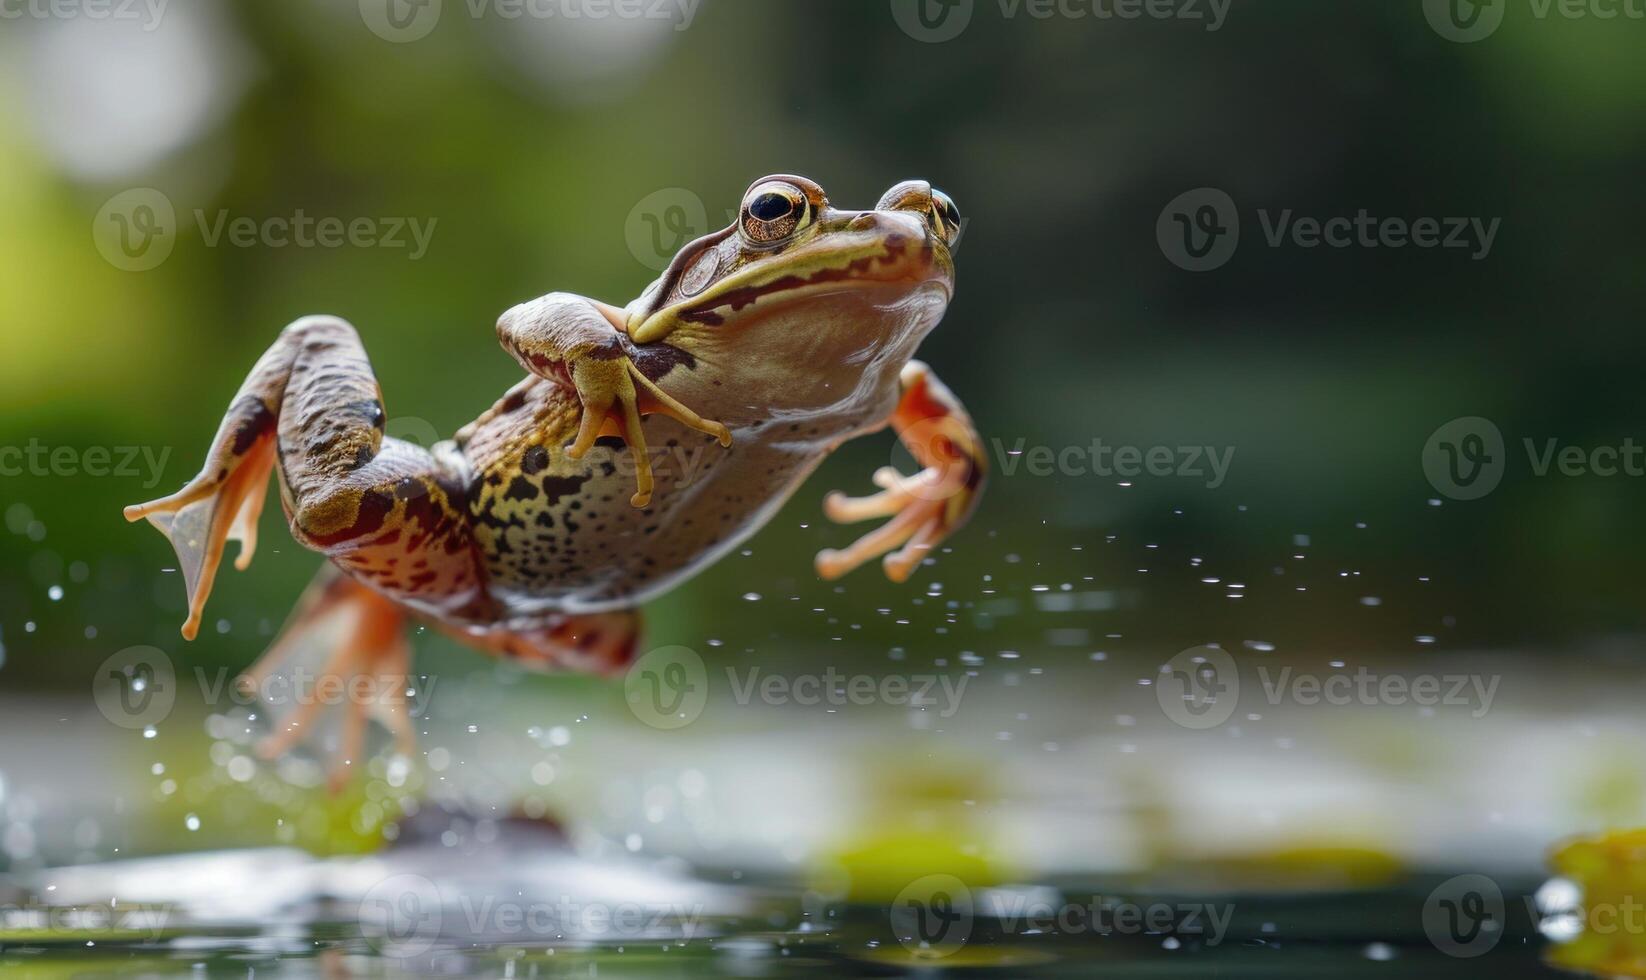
[[930, 505], [575, 341]]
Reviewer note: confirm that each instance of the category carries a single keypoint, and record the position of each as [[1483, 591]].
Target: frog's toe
[[924, 508], [615, 395], [917, 527]]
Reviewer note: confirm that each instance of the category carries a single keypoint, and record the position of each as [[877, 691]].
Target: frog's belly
[[566, 539]]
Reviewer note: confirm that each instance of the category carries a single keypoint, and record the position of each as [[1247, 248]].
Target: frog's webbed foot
[[615, 394], [358, 637], [222, 503], [573, 340], [924, 508]]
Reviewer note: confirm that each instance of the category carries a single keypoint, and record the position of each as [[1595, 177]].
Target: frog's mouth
[[871, 251]]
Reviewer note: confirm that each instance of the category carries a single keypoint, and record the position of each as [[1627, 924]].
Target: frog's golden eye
[[944, 218], [774, 211]]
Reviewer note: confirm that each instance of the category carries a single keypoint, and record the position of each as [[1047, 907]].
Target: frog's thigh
[[311, 405], [382, 509]]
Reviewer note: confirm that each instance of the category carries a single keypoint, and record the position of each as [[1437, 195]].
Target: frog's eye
[[944, 218], [772, 212]]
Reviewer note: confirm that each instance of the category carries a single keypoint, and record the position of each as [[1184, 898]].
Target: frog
[[644, 443]]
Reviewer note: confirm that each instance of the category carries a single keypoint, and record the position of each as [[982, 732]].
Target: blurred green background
[[541, 148], [530, 144]]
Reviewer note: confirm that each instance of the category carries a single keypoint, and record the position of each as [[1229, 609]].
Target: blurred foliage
[[1061, 140]]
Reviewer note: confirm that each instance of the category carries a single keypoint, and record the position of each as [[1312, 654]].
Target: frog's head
[[798, 283]]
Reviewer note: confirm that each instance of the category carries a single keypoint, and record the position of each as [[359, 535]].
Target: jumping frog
[[600, 480]]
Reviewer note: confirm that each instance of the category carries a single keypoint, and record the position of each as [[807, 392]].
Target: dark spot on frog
[[556, 487], [257, 420], [657, 359], [521, 488], [534, 461]]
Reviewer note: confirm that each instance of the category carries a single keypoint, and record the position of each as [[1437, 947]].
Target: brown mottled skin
[[594, 484]]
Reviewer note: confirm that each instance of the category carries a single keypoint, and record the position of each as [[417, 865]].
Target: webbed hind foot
[[222, 503], [359, 639]]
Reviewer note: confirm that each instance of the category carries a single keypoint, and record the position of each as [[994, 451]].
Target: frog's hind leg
[[359, 639], [382, 509], [225, 500]]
